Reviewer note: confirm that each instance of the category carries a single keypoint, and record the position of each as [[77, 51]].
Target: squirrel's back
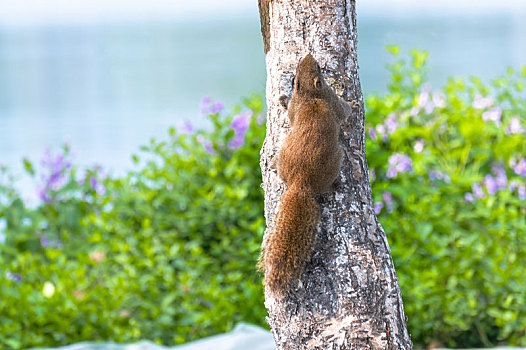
[[310, 154], [309, 163]]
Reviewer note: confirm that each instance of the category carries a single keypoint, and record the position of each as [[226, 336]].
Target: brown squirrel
[[309, 164]]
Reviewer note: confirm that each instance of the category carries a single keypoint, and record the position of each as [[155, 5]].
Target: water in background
[[108, 88]]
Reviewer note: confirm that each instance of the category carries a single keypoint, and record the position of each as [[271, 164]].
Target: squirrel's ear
[[317, 83]]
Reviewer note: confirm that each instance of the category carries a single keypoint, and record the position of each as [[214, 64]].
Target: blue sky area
[[28, 12]]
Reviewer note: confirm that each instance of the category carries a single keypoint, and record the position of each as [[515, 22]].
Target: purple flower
[[186, 127], [515, 126], [414, 111], [491, 184], [482, 102], [423, 98], [240, 124], [43, 195], [502, 181], [424, 101], [399, 163], [13, 276], [209, 107], [101, 173], [98, 187], [419, 146], [216, 107], [522, 192], [372, 175], [519, 167], [468, 197], [501, 178], [387, 197], [93, 182], [261, 118], [380, 129], [391, 123], [372, 134], [493, 115], [101, 189], [205, 105], [209, 148], [378, 207], [477, 191], [236, 142], [54, 176], [438, 175], [430, 107]]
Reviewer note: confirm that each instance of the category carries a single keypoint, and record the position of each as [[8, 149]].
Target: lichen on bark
[[348, 296]]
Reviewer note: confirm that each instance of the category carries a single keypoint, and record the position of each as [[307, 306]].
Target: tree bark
[[348, 296]]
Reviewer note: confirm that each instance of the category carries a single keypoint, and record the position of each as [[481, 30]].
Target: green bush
[[167, 252], [449, 184]]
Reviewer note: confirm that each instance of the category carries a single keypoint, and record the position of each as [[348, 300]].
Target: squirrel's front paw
[[284, 101], [354, 104]]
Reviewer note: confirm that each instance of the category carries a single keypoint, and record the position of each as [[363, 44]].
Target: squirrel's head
[[308, 78]]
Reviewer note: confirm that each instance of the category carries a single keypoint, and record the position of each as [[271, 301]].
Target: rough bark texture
[[348, 296], [265, 23]]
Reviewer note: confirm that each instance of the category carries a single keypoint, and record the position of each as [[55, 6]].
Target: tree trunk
[[348, 296]]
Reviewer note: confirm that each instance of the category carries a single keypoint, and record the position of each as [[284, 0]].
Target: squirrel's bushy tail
[[290, 244]]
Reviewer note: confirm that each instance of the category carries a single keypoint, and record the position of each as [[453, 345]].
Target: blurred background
[[108, 75], [109, 243]]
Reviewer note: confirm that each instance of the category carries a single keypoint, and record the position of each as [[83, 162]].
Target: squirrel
[[309, 164]]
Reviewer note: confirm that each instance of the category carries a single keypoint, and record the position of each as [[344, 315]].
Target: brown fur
[[309, 163]]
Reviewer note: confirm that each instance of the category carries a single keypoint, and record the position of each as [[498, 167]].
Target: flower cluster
[[435, 175], [208, 106], [54, 176], [494, 183], [480, 102], [515, 126], [383, 130], [518, 166], [93, 178], [13, 276], [419, 146], [387, 200], [495, 114], [186, 127], [428, 101], [399, 163], [240, 124], [207, 144]]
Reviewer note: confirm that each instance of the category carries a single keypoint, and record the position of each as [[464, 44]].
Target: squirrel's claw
[[284, 101]]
